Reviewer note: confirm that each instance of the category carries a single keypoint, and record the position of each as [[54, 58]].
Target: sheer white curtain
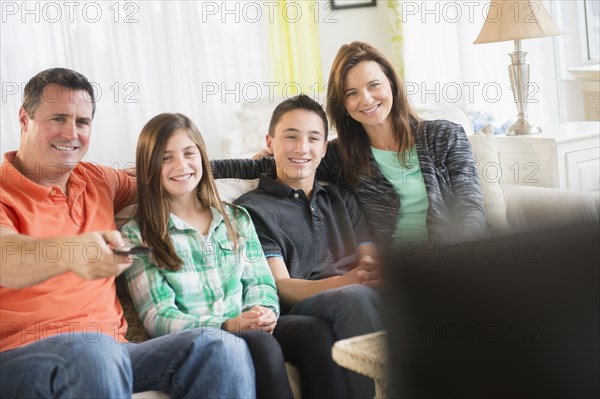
[[442, 65], [144, 57]]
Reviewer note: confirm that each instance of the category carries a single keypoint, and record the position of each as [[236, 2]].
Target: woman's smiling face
[[368, 94]]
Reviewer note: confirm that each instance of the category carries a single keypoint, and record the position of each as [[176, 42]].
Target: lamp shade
[[516, 20]]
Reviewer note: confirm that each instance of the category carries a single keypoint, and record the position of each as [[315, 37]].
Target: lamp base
[[522, 127]]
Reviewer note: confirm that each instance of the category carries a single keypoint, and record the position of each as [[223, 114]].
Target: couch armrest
[[534, 208]]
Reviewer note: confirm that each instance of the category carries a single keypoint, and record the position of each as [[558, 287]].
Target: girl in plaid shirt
[[207, 268]]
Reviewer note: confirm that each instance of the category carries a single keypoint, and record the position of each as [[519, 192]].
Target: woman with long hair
[[421, 172]]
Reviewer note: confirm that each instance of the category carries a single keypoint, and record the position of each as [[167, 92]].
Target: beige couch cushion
[[450, 113], [488, 168], [231, 189]]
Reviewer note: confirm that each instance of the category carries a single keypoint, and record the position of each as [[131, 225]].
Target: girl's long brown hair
[[353, 140], [153, 201]]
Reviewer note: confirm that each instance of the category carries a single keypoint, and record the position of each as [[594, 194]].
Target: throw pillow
[[254, 121], [488, 168], [254, 124]]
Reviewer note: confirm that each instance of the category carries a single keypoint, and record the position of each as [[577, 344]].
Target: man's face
[[56, 138], [298, 146]]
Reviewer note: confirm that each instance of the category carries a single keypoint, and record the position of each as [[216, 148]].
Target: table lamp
[[517, 20]]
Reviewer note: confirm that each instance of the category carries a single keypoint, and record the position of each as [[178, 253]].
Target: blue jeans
[[351, 310], [188, 364]]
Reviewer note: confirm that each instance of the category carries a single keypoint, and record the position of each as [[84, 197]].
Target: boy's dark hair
[[301, 101], [63, 77]]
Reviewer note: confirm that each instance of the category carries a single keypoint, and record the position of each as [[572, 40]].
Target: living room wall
[[164, 63], [338, 27], [148, 59]]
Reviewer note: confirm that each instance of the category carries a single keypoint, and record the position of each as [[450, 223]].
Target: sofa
[[527, 208], [509, 208]]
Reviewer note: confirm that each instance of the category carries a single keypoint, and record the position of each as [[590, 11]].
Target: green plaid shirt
[[215, 283]]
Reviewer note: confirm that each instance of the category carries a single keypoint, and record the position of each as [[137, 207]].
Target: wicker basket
[[367, 355]]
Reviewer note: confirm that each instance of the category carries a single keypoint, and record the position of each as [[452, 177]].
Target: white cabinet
[[562, 156]]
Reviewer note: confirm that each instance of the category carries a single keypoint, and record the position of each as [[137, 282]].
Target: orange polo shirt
[[65, 303]]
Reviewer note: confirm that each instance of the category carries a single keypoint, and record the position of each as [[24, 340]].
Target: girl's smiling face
[[181, 165]]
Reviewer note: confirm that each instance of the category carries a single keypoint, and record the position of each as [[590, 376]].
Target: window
[[592, 23]]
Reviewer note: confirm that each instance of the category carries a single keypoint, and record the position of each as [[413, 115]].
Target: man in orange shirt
[[62, 331]]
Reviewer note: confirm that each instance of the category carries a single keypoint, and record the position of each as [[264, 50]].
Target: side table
[[563, 156], [367, 355]]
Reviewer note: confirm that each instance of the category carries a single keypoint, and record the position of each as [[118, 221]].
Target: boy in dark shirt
[[315, 237]]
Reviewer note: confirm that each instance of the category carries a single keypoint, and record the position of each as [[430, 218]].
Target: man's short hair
[[301, 101], [63, 77]]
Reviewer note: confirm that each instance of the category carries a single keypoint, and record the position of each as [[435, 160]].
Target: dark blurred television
[[510, 317]]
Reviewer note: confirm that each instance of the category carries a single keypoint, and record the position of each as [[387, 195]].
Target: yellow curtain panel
[[396, 35], [294, 48]]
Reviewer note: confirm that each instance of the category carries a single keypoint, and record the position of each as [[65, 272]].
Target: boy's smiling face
[[298, 146]]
